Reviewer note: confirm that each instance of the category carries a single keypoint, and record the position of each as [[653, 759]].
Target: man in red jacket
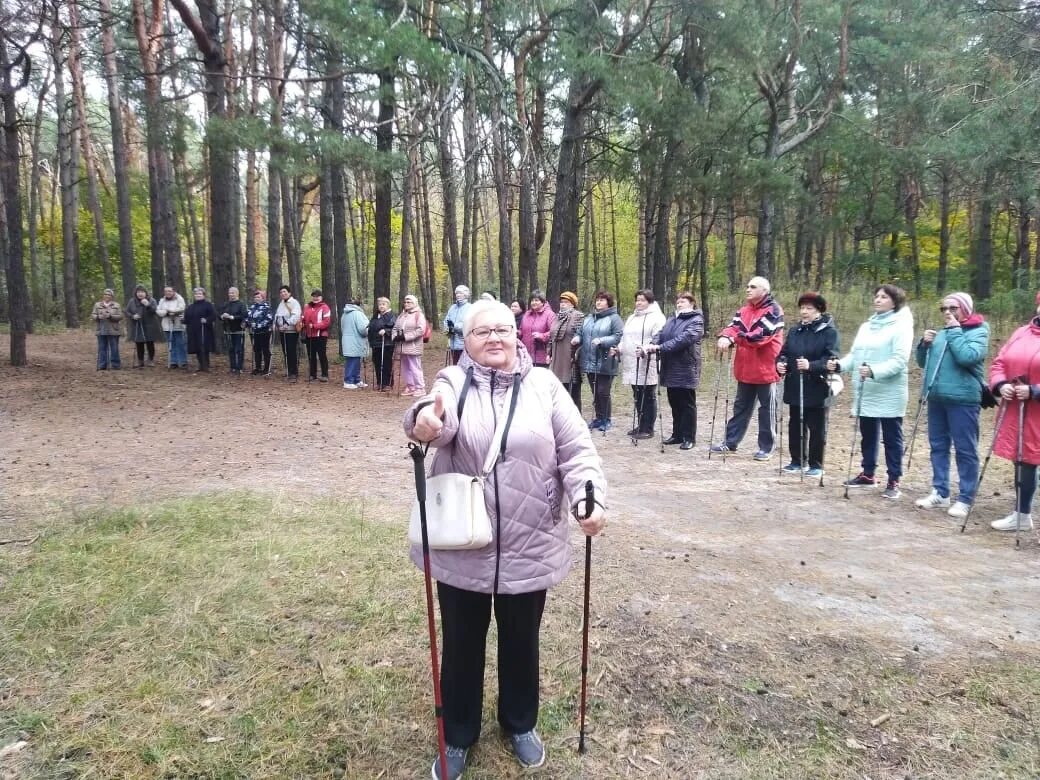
[[757, 333]]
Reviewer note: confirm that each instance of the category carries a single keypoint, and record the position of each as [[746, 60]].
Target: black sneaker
[[862, 480], [528, 747], [456, 757], [673, 440]]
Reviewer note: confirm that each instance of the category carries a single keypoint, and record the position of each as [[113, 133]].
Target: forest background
[[375, 147]]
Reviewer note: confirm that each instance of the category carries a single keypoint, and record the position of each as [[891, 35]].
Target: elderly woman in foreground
[[547, 457]]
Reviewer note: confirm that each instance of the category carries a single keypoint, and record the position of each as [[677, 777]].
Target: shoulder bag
[[456, 515]]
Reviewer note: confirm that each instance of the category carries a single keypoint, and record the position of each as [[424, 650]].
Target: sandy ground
[[759, 550]]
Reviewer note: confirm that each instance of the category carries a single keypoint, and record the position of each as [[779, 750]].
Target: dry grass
[[239, 635]]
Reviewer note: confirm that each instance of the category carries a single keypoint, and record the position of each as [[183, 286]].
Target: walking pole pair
[[921, 401], [635, 406], [382, 363], [779, 402], [855, 429], [715, 404], [1001, 413], [418, 459], [803, 454]]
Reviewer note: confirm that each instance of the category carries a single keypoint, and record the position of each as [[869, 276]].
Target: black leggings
[[601, 394], [140, 349], [683, 402], [816, 427], [262, 352], [644, 403], [316, 354], [383, 363]]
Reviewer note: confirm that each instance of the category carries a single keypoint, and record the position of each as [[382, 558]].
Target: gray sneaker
[[762, 455], [530, 751], [891, 490], [456, 757]]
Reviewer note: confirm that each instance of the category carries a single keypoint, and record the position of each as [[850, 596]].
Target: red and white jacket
[[317, 319], [757, 332]]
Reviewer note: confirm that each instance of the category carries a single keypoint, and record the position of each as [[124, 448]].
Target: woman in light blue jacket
[[353, 342], [881, 357]]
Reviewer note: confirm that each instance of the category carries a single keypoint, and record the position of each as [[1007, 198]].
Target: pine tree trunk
[[20, 314], [127, 268], [68, 165], [79, 99], [384, 184], [36, 292]]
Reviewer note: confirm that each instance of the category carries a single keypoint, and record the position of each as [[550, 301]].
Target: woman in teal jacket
[[952, 359], [881, 356], [353, 327]]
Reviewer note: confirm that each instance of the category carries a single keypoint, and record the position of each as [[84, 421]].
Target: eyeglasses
[[483, 334], [949, 308]]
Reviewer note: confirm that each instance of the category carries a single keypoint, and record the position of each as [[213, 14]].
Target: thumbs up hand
[[429, 422]]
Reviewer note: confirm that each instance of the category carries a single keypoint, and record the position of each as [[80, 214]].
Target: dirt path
[[730, 542]]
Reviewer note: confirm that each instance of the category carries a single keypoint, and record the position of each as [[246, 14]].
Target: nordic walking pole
[[643, 394], [715, 405], [660, 409], [637, 407], [855, 429], [589, 503], [978, 485], [169, 344], [779, 401], [725, 409], [382, 363], [802, 453], [418, 458], [1018, 471], [925, 392], [823, 449], [285, 357]]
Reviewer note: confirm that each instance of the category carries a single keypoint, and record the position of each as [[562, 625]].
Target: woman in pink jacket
[[535, 326], [1015, 378], [546, 458], [408, 330]]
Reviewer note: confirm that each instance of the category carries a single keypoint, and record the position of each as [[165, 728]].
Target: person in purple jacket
[[535, 326], [536, 483]]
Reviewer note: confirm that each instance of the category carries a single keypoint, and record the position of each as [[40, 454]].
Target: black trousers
[[574, 388], [383, 363], [262, 352], [683, 402], [316, 354], [465, 618], [600, 384], [140, 350], [290, 345], [816, 427], [203, 357], [645, 400]]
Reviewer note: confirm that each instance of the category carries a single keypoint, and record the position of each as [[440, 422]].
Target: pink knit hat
[[966, 303]]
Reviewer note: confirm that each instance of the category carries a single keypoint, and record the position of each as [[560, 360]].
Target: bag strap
[[498, 440]]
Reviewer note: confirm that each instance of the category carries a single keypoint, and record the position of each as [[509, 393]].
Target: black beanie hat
[[815, 300]]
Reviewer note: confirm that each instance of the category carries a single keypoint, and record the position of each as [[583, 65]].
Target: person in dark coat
[[380, 338], [143, 325], [678, 344], [199, 318], [805, 353], [233, 314]]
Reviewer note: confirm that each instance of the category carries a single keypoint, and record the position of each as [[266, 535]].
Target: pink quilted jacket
[[548, 457]]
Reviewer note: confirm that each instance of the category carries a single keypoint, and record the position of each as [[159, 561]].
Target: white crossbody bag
[[456, 515]]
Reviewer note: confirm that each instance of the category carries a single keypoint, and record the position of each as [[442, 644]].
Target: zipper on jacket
[[498, 506]]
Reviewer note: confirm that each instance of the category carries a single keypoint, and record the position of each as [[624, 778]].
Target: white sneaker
[[361, 385], [932, 501], [1011, 522], [349, 386], [959, 510]]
